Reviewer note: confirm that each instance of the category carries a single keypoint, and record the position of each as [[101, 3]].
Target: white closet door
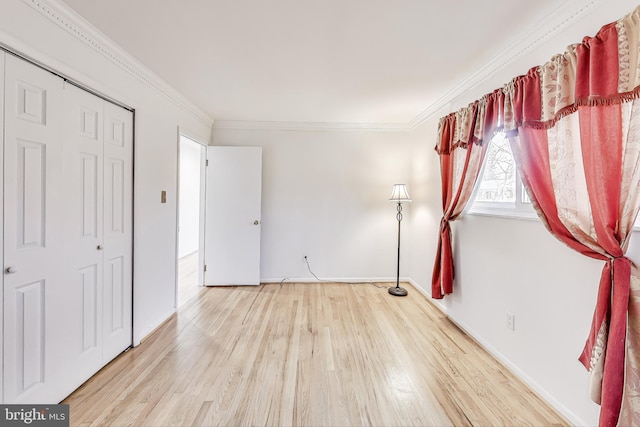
[[98, 148], [2, 59], [118, 233], [83, 200], [68, 184], [34, 306]]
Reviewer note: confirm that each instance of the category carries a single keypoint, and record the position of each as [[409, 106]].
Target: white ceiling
[[323, 61]]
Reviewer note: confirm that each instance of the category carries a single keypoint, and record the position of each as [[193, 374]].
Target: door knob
[[256, 222], [99, 247], [10, 270]]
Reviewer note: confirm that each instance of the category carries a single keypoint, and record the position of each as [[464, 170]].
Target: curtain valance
[[602, 70]]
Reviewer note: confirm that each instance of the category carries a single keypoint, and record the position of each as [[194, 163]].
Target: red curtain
[[574, 128], [602, 169], [574, 158], [461, 150]]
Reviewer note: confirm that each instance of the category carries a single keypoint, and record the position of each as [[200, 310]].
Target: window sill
[[510, 213]]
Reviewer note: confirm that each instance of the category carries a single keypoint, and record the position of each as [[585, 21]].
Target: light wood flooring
[[188, 278], [312, 354]]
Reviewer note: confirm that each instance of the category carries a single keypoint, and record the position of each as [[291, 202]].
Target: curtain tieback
[[619, 261], [612, 307], [442, 277]]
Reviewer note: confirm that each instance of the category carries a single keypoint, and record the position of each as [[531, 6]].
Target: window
[[500, 191]]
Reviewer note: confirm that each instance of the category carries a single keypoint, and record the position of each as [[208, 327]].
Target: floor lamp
[[399, 195]]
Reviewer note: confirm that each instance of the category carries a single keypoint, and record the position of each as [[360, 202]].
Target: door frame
[[203, 163]]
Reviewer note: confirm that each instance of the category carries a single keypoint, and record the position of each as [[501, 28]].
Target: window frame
[[520, 208]]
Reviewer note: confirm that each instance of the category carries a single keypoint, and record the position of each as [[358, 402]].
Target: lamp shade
[[399, 194]]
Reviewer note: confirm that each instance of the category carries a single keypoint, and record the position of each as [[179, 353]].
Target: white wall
[[515, 265], [189, 235], [28, 28], [325, 196]]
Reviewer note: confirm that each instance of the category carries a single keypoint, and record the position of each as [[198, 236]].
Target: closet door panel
[[83, 179], [118, 232], [34, 306]]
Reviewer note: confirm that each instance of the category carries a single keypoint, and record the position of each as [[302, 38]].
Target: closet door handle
[[10, 270], [99, 247]]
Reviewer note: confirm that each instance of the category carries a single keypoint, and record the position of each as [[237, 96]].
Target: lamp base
[[397, 291]]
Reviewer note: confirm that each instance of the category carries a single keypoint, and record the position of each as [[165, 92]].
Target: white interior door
[[118, 231], [34, 335], [233, 216]]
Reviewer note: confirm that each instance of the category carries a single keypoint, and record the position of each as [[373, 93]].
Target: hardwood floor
[[322, 354], [187, 278]]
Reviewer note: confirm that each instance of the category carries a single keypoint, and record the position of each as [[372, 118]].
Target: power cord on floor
[[306, 260], [312, 273]]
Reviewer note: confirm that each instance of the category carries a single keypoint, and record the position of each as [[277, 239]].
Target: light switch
[[163, 196]]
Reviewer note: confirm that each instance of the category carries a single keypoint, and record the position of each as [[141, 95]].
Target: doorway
[[192, 158]]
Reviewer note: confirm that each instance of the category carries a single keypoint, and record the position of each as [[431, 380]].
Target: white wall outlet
[[511, 321]]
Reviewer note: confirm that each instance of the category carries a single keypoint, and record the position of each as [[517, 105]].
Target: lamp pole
[[399, 195]]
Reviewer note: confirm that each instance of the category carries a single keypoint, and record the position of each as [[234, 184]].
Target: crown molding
[[309, 126], [67, 19]]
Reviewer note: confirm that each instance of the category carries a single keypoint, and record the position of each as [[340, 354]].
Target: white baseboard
[[139, 339], [334, 280]]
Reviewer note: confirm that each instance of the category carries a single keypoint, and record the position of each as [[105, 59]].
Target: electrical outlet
[[511, 321]]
